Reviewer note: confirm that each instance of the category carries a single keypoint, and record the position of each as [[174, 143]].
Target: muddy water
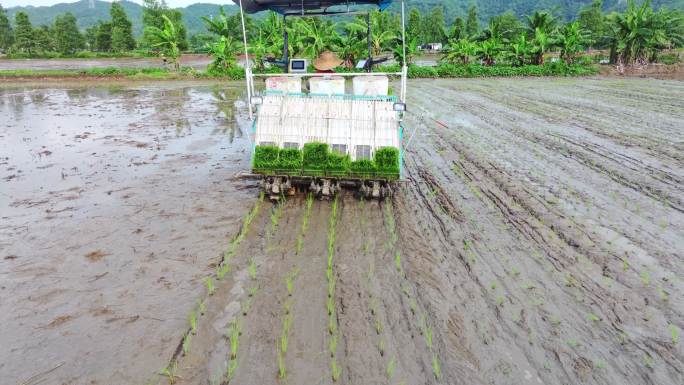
[[116, 200], [195, 61], [538, 241]]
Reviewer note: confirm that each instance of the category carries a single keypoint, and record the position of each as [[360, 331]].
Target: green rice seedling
[[436, 367], [331, 287], [247, 307], [428, 337], [648, 361], [252, 291], [210, 285], [572, 342], [674, 333], [281, 367], [287, 323], [397, 261], [251, 269], [407, 290], [391, 365], [336, 372], [222, 270], [330, 305], [170, 372], [186, 343], [500, 300], [333, 345], [645, 277], [202, 307], [234, 333], [329, 273], [378, 326], [373, 306], [230, 370], [663, 295], [290, 285], [332, 324], [275, 216], [413, 305], [593, 317], [193, 322], [625, 265], [300, 244], [555, 321], [381, 346], [600, 364]]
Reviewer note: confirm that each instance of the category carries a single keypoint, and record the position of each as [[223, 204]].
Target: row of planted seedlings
[[286, 323], [336, 372], [421, 315], [317, 159], [373, 301], [171, 370], [234, 331]]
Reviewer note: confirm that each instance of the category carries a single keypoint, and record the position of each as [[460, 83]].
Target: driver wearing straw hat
[[326, 61]]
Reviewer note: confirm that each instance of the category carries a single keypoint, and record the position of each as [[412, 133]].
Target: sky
[[171, 3]]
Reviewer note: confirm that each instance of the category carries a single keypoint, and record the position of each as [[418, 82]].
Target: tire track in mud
[[204, 351], [637, 239], [379, 335], [510, 210], [586, 155], [261, 326], [307, 359]]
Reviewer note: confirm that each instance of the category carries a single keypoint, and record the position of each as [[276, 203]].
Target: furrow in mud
[[534, 294], [307, 359]]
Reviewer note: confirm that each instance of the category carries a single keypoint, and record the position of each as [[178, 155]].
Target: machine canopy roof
[[293, 7]]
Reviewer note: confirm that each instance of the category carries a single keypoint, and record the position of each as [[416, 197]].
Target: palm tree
[[167, 40], [460, 50]]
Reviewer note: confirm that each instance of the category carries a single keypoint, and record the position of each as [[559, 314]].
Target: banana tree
[[488, 51], [460, 50], [411, 50], [224, 52], [540, 45], [520, 50], [167, 40], [571, 40]]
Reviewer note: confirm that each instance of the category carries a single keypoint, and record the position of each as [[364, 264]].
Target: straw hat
[[326, 61]]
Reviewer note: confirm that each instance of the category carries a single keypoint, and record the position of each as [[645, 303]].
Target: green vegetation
[[167, 39], [317, 159], [674, 333]]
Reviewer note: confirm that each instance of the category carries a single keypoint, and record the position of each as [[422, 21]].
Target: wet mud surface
[[538, 240], [198, 62]]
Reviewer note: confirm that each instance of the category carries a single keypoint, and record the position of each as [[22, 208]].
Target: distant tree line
[[63, 37]]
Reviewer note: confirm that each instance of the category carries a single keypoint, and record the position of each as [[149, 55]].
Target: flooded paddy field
[[538, 240], [198, 62]]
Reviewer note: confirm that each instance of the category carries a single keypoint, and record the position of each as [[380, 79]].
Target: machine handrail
[[314, 74]]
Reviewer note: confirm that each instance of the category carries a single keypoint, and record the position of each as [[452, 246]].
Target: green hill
[[87, 16]]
